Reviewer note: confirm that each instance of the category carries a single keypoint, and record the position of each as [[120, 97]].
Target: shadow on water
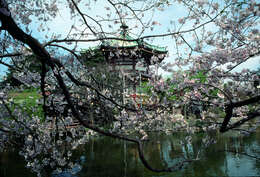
[[217, 154]]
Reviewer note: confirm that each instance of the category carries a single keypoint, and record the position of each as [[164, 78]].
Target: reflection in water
[[217, 154], [70, 172]]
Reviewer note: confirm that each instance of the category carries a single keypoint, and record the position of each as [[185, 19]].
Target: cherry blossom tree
[[211, 40]]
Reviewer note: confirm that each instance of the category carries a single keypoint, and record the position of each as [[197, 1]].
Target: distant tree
[[92, 57], [209, 41]]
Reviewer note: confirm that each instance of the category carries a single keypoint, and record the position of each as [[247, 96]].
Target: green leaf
[[173, 97], [172, 88], [200, 76], [214, 92]]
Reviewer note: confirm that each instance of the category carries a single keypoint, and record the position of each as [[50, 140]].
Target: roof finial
[[124, 28]]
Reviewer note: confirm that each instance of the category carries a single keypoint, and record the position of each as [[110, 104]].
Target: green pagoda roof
[[121, 43], [129, 42]]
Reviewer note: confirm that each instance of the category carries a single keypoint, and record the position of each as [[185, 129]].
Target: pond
[[230, 154]]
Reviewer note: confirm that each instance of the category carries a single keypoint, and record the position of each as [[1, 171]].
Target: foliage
[[92, 57], [210, 40]]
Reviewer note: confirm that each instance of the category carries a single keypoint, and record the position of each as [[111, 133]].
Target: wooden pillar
[[114, 63], [147, 64], [134, 71]]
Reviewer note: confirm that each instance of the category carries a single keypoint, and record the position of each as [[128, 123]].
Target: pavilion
[[131, 56]]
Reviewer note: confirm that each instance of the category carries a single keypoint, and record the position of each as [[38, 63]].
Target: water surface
[[217, 154]]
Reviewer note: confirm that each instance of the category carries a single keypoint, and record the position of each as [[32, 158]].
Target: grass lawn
[[26, 100]]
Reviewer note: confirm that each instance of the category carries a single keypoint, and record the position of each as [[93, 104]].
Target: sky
[[61, 25]]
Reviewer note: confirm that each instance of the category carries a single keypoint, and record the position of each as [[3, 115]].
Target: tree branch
[[250, 56], [82, 15], [5, 131], [10, 66], [65, 48], [11, 55], [229, 113], [80, 83], [141, 38]]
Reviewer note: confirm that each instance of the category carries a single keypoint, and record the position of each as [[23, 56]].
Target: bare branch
[[116, 9], [65, 48], [82, 15], [9, 66], [11, 55]]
